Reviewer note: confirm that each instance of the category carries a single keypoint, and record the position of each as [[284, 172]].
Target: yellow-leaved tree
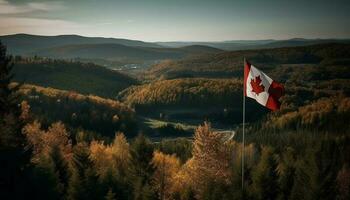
[[43, 141], [166, 167], [112, 158], [209, 164]]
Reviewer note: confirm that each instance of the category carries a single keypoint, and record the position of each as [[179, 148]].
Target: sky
[[179, 20]]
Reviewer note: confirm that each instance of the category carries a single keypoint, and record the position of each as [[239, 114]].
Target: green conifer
[[14, 152]]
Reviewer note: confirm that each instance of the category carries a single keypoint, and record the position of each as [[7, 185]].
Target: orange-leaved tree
[[166, 167]]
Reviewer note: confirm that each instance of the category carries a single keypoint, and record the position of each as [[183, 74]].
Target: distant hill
[[256, 44], [230, 64], [300, 42], [225, 45], [20, 44], [85, 78], [116, 53], [109, 52], [122, 52], [200, 49]]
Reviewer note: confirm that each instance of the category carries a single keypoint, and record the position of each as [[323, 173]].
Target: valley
[[185, 108], [170, 96]]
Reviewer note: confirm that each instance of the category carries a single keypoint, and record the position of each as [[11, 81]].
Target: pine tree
[[60, 166], [14, 157], [76, 188], [210, 160], [316, 172], [304, 186], [166, 167], [328, 158], [286, 171], [264, 176], [83, 180], [121, 154], [45, 180], [140, 168], [121, 160], [236, 178]]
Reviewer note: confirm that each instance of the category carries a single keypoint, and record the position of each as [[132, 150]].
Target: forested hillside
[[229, 64], [85, 78], [86, 112], [190, 99], [324, 76], [195, 92]]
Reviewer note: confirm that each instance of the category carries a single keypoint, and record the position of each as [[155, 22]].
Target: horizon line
[[179, 41]]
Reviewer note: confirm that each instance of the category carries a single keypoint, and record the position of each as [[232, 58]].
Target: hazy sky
[[179, 20]]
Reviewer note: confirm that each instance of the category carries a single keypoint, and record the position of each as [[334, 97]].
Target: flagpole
[[243, 127]]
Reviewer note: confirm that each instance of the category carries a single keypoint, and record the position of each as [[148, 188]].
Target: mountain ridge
[[254, 44], [110, 51], [25, 43]]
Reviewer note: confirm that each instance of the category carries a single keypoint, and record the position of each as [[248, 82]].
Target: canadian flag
[[258, 86]]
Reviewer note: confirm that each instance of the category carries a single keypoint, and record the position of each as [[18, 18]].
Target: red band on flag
[[276, 90], [246, 72]]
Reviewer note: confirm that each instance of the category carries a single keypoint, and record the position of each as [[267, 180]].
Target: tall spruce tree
[[45, 182], [60, 166], [286, 172], [83, 182], [265, 185], [14, 157], [140, 169]]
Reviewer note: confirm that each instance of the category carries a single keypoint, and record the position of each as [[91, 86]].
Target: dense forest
[[86, 112], [191, 98], [184, 92], [70, 143], [86, 78], [229, 64]]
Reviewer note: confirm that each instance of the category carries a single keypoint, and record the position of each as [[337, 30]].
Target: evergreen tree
[[140, 168], [286, 172], [14, 155], [305, 178], [316, 172], [328, 158], [166, 167], [236, 179], [210, 160], [264, 176], [45, 180], [83, 182], [60, 166], [76, 188]]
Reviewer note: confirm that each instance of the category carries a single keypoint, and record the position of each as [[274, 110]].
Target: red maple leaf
[[256, 87]]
